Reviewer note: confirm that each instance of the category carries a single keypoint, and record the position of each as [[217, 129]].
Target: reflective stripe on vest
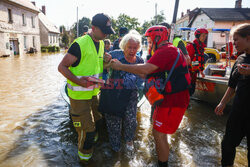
[[80, 88], [176, 41], [91, 64], [85, 157]]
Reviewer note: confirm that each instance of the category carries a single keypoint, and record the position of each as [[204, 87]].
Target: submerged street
[[35, 129]]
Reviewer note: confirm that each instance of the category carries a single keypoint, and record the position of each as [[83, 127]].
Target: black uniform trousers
[[238, 126]]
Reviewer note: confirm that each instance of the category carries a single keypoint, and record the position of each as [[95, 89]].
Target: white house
[[218, 18], [19, 27]]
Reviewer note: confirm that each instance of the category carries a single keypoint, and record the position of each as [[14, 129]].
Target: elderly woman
[[129, 45]]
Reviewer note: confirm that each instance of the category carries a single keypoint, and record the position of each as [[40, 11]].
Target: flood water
[[35, 129]]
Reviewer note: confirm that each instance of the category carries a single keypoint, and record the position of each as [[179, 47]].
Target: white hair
[[132, 35]]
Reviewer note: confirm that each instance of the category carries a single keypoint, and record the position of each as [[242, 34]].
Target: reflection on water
[[35, 129]]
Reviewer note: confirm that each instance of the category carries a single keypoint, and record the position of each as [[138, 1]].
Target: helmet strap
[[151, 51], [157, 39]]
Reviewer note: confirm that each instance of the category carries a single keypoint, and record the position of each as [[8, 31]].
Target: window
[[24, 20], [25, 42], [50, 37], [34, 41], [10, 16], [32, 22]]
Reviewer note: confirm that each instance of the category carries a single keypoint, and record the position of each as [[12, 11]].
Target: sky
[[64, 12]]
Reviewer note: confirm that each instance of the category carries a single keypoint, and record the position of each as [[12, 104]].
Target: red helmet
[[199, 31], [157, 34]]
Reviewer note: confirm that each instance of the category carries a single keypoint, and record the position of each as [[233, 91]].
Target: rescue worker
[[168, 115], [177, 42], [85, 60], [196, 53]]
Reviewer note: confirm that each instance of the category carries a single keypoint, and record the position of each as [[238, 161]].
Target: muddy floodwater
[[35, 129]]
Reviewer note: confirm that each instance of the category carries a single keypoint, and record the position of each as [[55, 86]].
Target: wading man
[[84, 61]]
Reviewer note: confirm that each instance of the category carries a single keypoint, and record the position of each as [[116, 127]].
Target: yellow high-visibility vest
[[176, 41], [91, 64]]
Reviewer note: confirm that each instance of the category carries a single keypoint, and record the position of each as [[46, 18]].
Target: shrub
[[44, 49], [50, 48]]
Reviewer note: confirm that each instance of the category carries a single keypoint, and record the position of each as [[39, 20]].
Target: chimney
[[188, 11], [44, 9], [238, 3], [34, 3], [182, 14]]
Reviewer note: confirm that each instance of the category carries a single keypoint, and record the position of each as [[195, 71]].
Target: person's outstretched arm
[[226, 98], [135, 68]]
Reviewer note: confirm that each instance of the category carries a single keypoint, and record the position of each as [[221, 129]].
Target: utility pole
[[77, 23], [155, 13], [175, 11], [174, 20]]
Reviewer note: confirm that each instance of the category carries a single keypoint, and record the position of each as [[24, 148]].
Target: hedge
[[50, 49]]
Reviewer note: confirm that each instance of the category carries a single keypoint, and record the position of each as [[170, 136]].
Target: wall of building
[[48, 38], [4, 46], [17, 30], [44, 34], [53, 39], [220, 38]]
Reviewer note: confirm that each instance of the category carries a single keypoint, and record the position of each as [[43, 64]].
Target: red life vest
[[198, 62]]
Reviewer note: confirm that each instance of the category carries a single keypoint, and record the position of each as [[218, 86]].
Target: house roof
[[224, 14], [227, 14], [24, 3], [48, 25]]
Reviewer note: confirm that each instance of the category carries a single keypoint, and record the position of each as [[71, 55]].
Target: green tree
[[82, 22], [65, 38], [145, 26], [124, 20], [158, 18]]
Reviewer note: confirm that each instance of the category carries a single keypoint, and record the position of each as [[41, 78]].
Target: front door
[[14, 47]]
